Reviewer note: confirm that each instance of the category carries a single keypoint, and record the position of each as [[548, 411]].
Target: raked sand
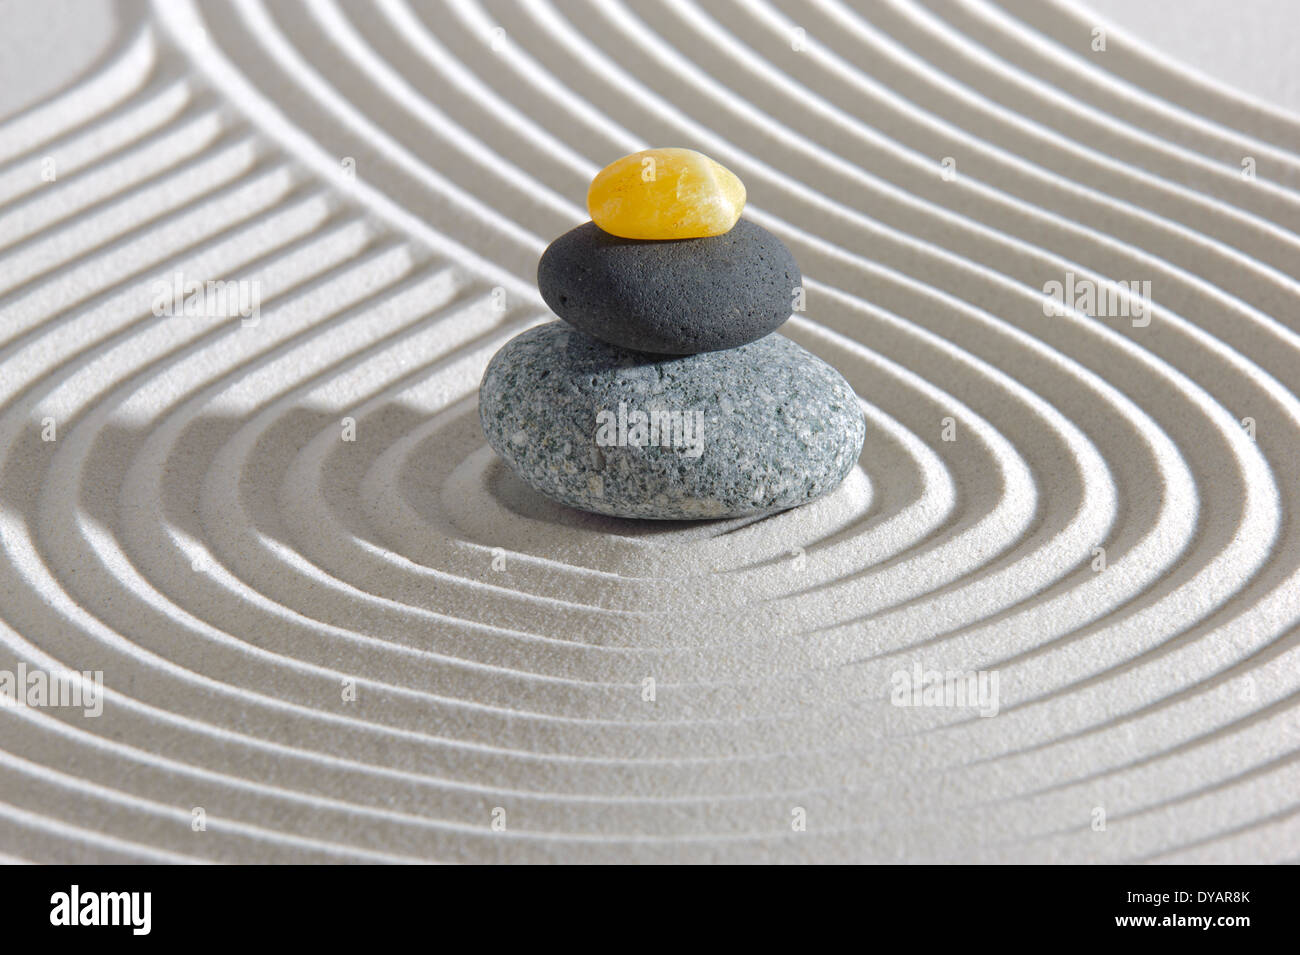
[[332, 626]]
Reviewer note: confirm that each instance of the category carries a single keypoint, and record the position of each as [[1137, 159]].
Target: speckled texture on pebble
[[780, 426], [674, 297]]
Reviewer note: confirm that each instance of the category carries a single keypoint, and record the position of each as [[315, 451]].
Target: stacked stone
[[664, 392]]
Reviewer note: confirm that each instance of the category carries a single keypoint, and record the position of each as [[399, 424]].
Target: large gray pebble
[[674, 297], [780, 427]]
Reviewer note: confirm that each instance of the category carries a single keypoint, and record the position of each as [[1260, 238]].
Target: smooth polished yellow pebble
[[665, 194]]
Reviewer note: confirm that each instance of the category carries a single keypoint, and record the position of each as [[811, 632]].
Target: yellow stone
[[665, 194]]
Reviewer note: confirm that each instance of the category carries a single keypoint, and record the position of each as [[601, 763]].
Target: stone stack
[[664, 393]]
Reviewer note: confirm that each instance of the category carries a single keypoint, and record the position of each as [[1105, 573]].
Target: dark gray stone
[[675, 297], [759, 428]]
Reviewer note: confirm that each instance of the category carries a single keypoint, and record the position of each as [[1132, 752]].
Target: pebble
[[670, 298], [665, 194], [749, 430]]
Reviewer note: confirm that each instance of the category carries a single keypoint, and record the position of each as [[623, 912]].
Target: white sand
[[200, 531]]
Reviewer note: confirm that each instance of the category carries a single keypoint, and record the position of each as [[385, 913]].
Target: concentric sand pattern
[[331, 626]]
